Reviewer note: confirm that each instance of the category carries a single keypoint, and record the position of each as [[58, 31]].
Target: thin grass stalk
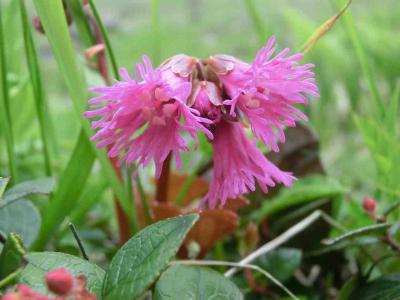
[[37, 86], [81, 21], [5, 108], [107, 42], [256, 20], [55, 25], [363, 60]]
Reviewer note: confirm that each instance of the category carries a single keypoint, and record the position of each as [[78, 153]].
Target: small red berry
[[369, 204], [60, 281]]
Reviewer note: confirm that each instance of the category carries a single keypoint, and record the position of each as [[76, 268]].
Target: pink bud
[[369, 205], [10, 296], [59, 281], [25, 292]]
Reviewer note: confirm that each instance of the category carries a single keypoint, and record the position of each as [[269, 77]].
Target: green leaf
[[65, 198], [22, 217], [386, 287], [307, 189], [367, 230], [281, 263], [195, 283], [12, 255], [42, 262], [39, 186], [141, 260], [3, 184]]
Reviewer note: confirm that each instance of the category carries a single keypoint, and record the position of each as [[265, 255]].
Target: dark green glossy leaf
[[141, 260], [195, 283], [384, 288]]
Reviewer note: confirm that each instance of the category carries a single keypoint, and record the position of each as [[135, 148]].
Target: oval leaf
[[140, 261], [39, 186], [192, 282], [384, 288], [22, 217], [42, 262]]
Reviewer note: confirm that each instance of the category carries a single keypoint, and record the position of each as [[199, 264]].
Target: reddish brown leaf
[[163, 211], [236, 204], [212, 227], [251, 239], [197, 189]]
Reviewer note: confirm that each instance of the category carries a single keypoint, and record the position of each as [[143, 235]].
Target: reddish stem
[[163, 181], [123, 220]]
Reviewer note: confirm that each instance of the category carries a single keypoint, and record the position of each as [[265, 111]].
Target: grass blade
[[54, 22], [257, 22], [81, 21], [5, 108], [363, 60], [37, 86], [72, 182]]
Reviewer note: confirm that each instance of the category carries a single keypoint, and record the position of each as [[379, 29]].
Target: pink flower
[[141, 119], [238, 165], [265, 91]]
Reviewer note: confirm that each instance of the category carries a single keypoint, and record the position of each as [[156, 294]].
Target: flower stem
[[163, 181]]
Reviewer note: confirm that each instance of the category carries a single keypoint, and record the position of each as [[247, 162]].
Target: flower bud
[[369, 205], [59, 281]]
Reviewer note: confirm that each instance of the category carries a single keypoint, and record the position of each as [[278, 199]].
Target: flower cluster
[[60, 282], [143, 119]]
